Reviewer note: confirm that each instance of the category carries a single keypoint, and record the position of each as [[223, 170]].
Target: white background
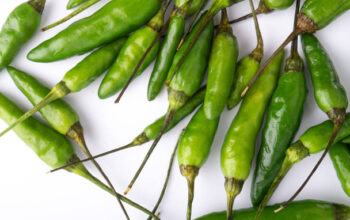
[[26, 192]]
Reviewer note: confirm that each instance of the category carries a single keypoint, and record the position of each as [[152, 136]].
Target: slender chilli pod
[[131, 54], [221, 69], [216, 6], [314, 140], [340, 155], [265, 7], [194, 148], [186, 82], [59, 114], [330, 95], [301, 210], [152, 130], [74, 3], [19, 27], [167, 52], [78, 78], [314, 15], [283, 119], [51, 147], [115, 19], [238, 148], [86, 5], [247, 67]]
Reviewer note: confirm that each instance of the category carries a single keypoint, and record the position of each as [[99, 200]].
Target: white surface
[[26, 192]]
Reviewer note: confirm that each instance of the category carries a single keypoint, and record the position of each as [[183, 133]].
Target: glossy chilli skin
[[340, 155], [131, 54], [279, 4], [74, 3], [323, 12], [189, 77], [329, 93], [19, 27], [58, 114], [238, 148], [301, 210], [115, 19], [166, 54], [194, 147], [283, 120], [314, 140], [221, 70]]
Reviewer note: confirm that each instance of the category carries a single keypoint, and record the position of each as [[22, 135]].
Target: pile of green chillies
[[197, 62]]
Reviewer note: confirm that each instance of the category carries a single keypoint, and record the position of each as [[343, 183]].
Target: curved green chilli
[[19, 27], [51, 147], [340, 155], [167, 52], [186, 82], [279, 4], [283, 120], [301, 210], [238, 148], [221, 70], [314, 140], [115, 19], [59, 114], [131, 54], [79, 77], [194, 148], [74, 3], [152, 130], [195, 6]]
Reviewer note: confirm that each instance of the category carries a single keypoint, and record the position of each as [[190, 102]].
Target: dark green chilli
[[346, 140], [79, 77], [238, 149], [167, 52], [74, 3], [301, 210], [283, 119], [314, 140], [19, 27], [194, 148], [340, 155], [131, 54], [221, 70], [115, 19], [51, 147]]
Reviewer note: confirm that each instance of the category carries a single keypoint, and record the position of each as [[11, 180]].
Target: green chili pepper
[[265, 7], [86, 5], [330, 95], [238, 148], [115, 19], [194, 148], [301, 210], [283, 119], [131, 54], [314, 15], [314, 140], [51, 147], [221, 70], [79, 77], [340, 155], [152, 130], [186, 82], [74, 3], [58, 114], [196, 6], [346, 140], [247, 67], [19, 27], [216, 6], [167, 52]]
